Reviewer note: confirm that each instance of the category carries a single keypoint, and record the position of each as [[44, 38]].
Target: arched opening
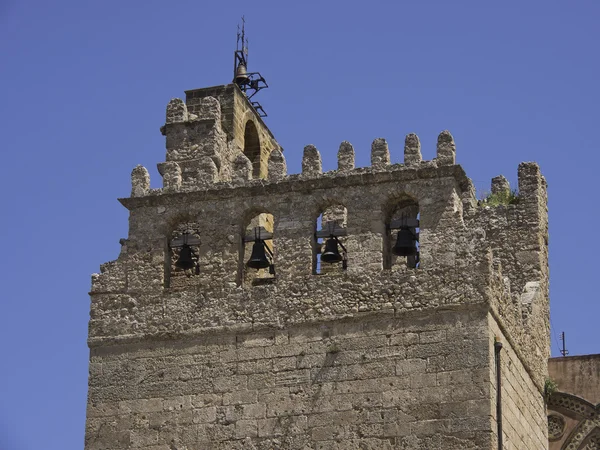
[[182, 255], [252, 148], [257, 251], [329, 253], [401, 240]]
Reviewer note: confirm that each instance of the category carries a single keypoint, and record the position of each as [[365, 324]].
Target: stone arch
[[571, 405], [587, 431], [584, 436], [252, 148], [330, 212], [401, 206], [252, 220], [592, 441]]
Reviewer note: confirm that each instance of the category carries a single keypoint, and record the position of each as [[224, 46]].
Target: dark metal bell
[[406, 244], [186, 258], [332, 253], [258, 259], [241, 76]]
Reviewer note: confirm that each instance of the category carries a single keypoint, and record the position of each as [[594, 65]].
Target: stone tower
[[378, 351]]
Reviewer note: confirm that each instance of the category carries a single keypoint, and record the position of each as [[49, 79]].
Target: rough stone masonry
[[380, 355]]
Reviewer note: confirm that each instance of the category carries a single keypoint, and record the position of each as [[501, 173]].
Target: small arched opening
[[329, 252], [257, 251], [252, 148], [182, 255], [401, 239]]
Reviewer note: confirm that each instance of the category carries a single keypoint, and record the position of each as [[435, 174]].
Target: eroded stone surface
[[171, 176], [380, 153], [500, 184], [446, 149], [412, 149], [140, 181], [311, 161], [277, 165], [242, 168], [346, 156]]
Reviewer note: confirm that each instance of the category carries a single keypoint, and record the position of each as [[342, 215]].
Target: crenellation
[[311, 161], [176, 111], [500, 185], [277, 167], [171, 173], [242, 169], [208, 108], [412, 149], [207, 171], [531, 183], [140, 181], [468, 197], [345, 157], [192, 179], [380, 153], [446, 149]]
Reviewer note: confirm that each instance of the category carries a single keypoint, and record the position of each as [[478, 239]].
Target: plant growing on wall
[[507, 197], [550, 387]]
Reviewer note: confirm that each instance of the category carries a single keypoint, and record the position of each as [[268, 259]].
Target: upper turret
[[206, 134]]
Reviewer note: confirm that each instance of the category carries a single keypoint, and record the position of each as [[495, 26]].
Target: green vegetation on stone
[[550, 387], [507, 197]]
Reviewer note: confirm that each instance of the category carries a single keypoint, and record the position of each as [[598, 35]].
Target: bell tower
[[378, 307]]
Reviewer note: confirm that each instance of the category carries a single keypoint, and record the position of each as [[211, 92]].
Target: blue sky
[[83, 94]]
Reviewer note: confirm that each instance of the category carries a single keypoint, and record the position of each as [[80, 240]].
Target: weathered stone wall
[[524, 422], [577, 375], [367, 356], [411, 381], [517, 234]]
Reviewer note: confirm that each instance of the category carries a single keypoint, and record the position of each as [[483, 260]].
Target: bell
[[258, 259], [332, 253], [241, 76], [186, 258], [405, 244]]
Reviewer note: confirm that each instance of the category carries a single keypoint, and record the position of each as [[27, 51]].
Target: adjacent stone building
[[193, 349], [574, 409]]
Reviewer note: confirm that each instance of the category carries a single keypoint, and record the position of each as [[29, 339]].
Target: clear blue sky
[[83, 94]]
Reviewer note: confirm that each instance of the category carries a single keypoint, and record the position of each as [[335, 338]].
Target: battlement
[[197, 151]]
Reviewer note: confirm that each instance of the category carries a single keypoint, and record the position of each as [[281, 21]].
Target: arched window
[[252, 148], [329, 253], [182, 256], [401, 240], [257, 252]]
